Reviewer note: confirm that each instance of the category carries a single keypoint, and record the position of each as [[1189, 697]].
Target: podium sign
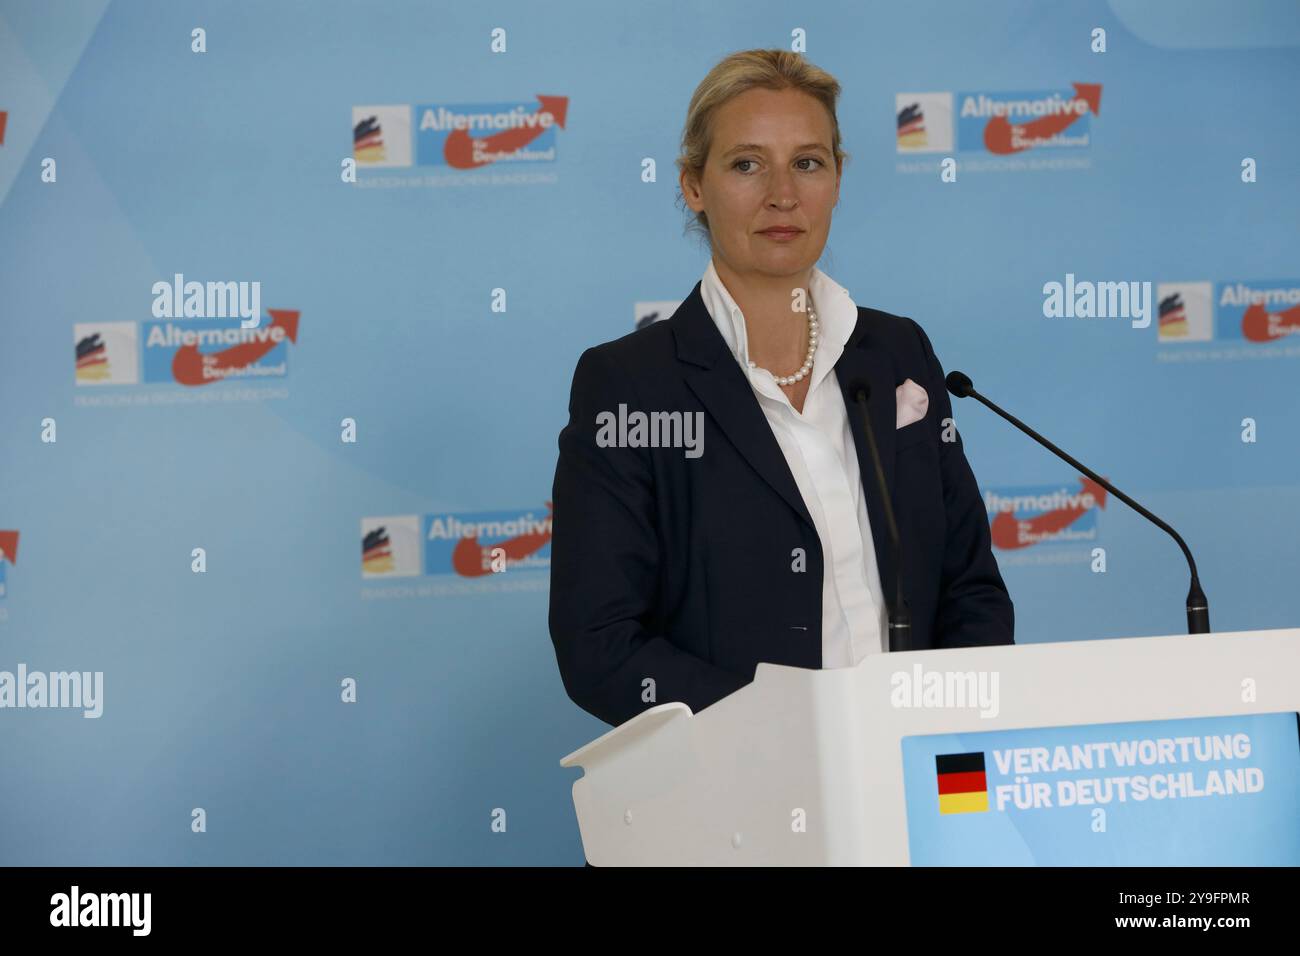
[[1214, 791]]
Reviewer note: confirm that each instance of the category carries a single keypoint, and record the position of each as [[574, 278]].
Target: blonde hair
[[736, 74]]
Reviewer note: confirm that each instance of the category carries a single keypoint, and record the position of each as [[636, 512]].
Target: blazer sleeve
[[605, 568], [974, 606]]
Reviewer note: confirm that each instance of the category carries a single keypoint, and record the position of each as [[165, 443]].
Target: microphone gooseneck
[[1198, 608], [900, 616]]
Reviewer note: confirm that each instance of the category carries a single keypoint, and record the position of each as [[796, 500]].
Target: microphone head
[[959, 384], [860, 389]]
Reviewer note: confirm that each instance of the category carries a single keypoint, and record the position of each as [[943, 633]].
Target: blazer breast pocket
[[913, 434]]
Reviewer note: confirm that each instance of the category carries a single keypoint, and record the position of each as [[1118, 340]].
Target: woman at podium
[[716, 502]]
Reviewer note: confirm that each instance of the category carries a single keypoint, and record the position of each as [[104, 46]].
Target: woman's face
[[770, 164]]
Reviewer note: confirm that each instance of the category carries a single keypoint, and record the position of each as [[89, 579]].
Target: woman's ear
[[690, 189]]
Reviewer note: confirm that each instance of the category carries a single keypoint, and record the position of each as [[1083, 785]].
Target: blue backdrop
[[438, 303]]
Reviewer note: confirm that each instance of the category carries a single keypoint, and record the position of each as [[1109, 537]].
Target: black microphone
[[1198, 608], [900, 618]]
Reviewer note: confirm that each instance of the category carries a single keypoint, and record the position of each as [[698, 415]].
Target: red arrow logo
[[998, 136], [472, 560], [9, 546], [1256, 327], [458, 150], [188, 362], [1010, 532]]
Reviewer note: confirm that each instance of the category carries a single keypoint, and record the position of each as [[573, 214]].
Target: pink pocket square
[[912, 403]]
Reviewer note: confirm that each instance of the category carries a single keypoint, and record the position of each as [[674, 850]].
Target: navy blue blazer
[[681, 570]]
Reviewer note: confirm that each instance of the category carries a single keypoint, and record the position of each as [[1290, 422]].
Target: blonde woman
[[737, 519]]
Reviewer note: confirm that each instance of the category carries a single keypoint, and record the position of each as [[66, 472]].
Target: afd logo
[[8, 555], [1259, 311], [466, 545], [189, 352], [1044, 514], [458, 135], [998, 123]]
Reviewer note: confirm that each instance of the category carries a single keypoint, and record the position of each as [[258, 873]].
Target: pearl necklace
[[808, 360]]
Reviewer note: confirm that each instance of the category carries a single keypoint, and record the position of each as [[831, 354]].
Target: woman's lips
[[780, 234]]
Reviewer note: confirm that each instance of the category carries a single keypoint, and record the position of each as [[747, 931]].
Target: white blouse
[[821, 453]]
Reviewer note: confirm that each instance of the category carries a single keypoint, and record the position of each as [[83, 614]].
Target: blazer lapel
[[722, 388]]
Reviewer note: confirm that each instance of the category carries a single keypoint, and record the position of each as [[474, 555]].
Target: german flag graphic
[[376, 554], [368, 141], [962, 785], [1173, 318], [911, 126], [92, 359]]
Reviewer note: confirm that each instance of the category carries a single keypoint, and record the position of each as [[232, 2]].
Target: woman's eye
[[806, 159]]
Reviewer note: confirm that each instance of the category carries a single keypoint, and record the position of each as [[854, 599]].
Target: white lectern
[[721, 788]]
